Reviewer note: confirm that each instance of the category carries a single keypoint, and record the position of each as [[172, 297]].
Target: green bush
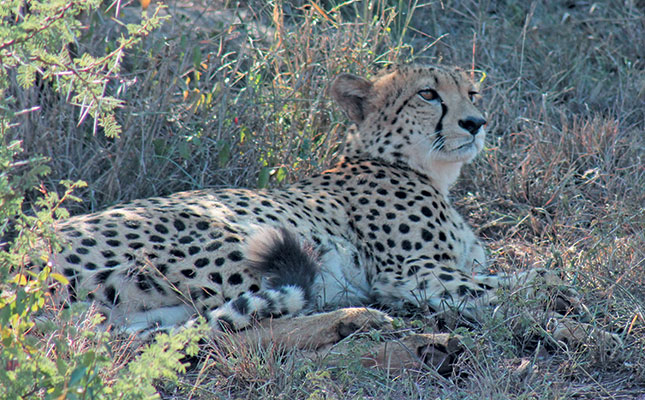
[[66, 357]]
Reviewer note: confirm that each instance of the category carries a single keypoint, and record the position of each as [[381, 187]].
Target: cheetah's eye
[[429, 94], [472, 95]]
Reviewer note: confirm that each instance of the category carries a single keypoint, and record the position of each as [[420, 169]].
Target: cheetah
[[376, 229]]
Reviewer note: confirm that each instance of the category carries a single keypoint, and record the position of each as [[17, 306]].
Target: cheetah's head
[[419, 116]]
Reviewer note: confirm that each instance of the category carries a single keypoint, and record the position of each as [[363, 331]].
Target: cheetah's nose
[[472, 124]]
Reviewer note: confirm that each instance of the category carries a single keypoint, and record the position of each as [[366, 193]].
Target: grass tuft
[[234, 94]]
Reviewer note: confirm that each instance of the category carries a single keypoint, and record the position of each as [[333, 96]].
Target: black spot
[[426, 235], [179, 225], [111, 263], [379, 247], [135, 245], [73, 233], [213, 246], [73, 259], [185, 239], [177, 253], [131, 236], [446, 277], [195, 293], [90, 266], [202, 262], [406, 245], [88, 242], [188, 273], [111, 295], [161, 229], [107, 253], [113, 243], [131, 224], [404, 228], [192, 250], [142, 282], [220, 261], [157, 239], [235, 255], [426, 211], [109, 233], [162, 268], [202, 225], [232, 239], [400, 194], [235, 279], [413, 270], [215, 277], [464, 290], [442, 236]]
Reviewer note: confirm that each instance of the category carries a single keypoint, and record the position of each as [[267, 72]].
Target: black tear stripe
[[439, 127]]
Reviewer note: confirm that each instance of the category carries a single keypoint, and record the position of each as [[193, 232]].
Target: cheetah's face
[[416, 115]]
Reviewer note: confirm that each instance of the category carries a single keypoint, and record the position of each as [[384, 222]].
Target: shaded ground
[[234, 95]]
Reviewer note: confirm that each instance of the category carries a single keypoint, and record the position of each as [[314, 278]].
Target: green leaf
[[281, 174], [224, 154], [184, 150], [60, 278], [197, 57], [77, 375], [159, 147], [263, 177]]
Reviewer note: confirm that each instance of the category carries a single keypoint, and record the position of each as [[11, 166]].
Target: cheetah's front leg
[[567, 318], [324, 332]]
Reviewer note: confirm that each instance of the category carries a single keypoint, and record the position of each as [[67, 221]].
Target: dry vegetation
[[233, 93]]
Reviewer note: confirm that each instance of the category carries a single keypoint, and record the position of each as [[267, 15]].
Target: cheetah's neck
[[443, 174]]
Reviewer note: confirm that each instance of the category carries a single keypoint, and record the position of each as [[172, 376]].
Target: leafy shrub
[[70, 358]]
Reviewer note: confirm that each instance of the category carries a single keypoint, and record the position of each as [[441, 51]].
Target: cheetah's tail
[[287, 268]]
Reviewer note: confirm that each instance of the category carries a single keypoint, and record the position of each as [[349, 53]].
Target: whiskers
[[439, 142], [436, 145]]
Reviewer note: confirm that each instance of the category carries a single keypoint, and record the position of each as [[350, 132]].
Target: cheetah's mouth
[[465, 146]]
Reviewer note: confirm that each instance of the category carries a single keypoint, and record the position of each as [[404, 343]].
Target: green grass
[[234, 95]]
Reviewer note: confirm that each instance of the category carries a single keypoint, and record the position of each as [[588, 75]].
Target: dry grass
[[233, 94]]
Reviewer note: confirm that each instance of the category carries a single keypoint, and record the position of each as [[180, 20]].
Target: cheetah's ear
[[353, 94]]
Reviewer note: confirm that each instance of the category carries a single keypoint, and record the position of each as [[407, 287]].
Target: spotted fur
[[377, 228]]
